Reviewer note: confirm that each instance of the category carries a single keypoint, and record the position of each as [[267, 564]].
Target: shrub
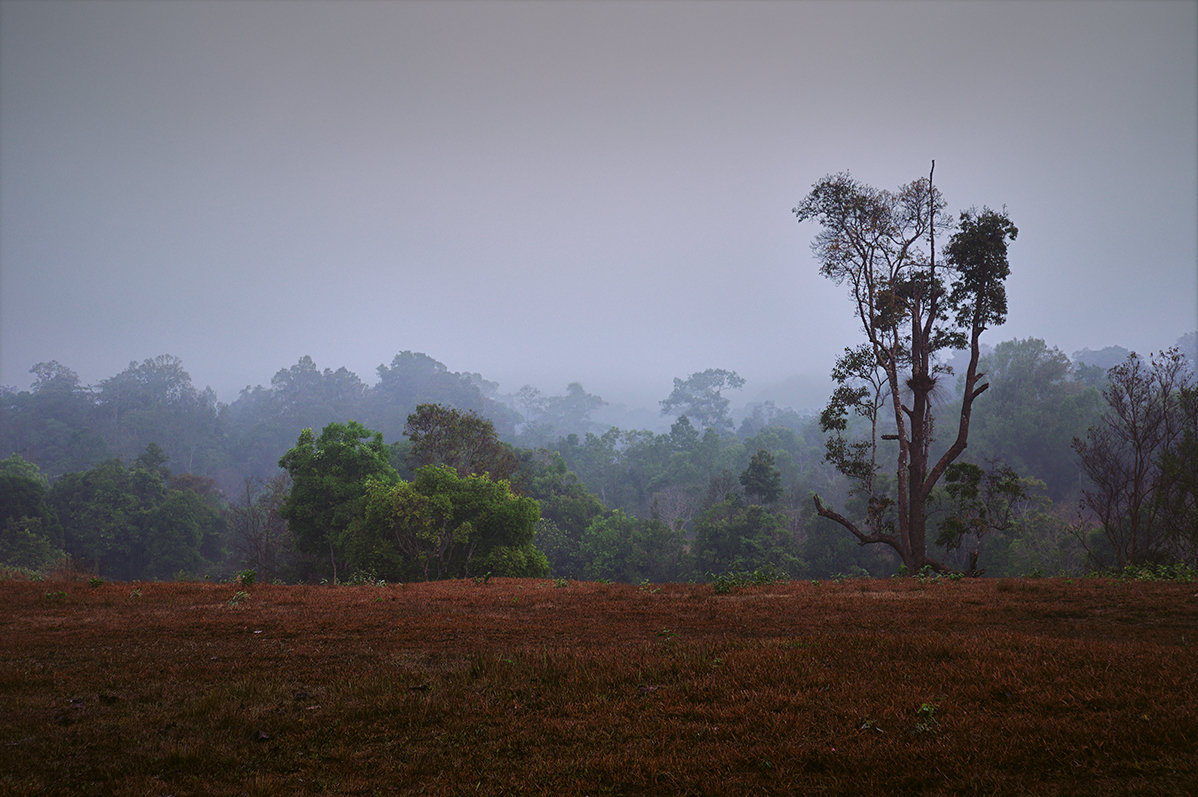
[[726, 582]]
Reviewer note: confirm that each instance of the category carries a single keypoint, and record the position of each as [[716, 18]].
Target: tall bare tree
[[882, 245]]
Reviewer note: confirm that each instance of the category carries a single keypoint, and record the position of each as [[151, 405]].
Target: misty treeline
[[145, 476], [428, 473]]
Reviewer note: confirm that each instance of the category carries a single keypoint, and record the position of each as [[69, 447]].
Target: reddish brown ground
[[521, 686]]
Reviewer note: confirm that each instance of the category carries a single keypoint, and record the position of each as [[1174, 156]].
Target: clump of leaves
[[365, 578], [1178, 572], [246, 578], [95, 581], [726, 582], [239, 597], [928, 575], [561, 582], [925, 718]]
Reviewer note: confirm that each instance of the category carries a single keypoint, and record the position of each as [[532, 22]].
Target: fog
[[547, 193]]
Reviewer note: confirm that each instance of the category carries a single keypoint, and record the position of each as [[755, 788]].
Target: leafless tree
[[1124, 454]]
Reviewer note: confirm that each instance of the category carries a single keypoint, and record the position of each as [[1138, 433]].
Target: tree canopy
[[463, 441], [329, 475], [910, 307], [700, 397]]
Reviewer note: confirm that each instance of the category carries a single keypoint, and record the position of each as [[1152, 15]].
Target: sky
[[552, 192]]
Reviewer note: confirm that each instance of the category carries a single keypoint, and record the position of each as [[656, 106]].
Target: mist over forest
[[620, 333], [146, 475]]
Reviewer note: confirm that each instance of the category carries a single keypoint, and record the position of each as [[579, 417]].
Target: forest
[[144, 476], [937, 452]]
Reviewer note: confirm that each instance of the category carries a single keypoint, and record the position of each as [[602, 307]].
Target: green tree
[[23, 489], [910, 307], [543, 476], [562, 549], [413, 379], [155, 402], [405, 534], [979, 502], [659, 552], [683, 435], [174, 532], [100, 517], [701, 398], [1034, 409], [617, 546], [264, 421], [29, 532], [55, 425], [572, 412], [307, 396], [463, 441], [329, 476], [138, 521], [442, 525], [209, 509], [761, 479], [732, 535], [547, 417]]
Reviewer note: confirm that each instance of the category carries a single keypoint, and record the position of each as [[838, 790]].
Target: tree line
[[1057, 485], [935, 451]]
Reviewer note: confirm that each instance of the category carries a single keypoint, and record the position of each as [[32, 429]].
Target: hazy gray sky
[[552, 192]]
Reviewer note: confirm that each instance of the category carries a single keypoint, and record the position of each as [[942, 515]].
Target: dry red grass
[[519, 686]]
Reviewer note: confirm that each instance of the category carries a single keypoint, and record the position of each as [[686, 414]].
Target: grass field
[[547, 687]]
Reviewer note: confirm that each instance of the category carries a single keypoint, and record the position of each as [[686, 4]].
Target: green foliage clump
[[365, 578], [726, 582], [1177, 571], [464, 441], [329, 477], [442, 525], [30, 535], [926, 721], [761, 479], [138, 521], [735, 536]]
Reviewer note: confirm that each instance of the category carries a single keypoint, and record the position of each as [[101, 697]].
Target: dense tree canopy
[[130, 522], [618, 503], [761, 479], [463, 441], [1034, 409], [329, 477], [57, 424], [155, 402], [442, 525], [29, 532]]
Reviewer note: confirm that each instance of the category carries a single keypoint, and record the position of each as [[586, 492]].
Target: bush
[[726, 582]]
